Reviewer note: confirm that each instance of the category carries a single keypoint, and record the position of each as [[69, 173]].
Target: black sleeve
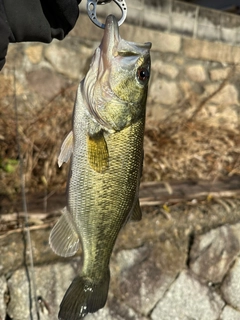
[[40, 20], [35, 20], [5, 34]]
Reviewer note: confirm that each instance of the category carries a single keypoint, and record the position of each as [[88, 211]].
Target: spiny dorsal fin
[[64, 239], [66, 149], [136, 212], [97, 152]]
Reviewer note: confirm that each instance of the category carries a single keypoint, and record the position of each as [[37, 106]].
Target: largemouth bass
[[106, 144]]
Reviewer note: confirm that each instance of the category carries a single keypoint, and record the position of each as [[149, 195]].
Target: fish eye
[[143, 75]]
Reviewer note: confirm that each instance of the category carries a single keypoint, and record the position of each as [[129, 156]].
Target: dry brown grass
[[40, 133], [173, 150], [190, 150]]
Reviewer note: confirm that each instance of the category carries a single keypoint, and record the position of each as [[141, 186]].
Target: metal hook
[[92, 8]]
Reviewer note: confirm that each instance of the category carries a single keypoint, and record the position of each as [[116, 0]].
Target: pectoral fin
[[97, 152], [136, 212], [64, 239], [66, 149]]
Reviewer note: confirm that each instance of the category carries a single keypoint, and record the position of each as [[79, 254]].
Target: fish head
[[122, 70]]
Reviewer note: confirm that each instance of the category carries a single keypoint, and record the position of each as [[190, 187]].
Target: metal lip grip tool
[[92, 10]]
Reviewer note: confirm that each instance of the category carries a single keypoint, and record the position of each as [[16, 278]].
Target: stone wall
[[189, 75], [182, 18], [166, 267]]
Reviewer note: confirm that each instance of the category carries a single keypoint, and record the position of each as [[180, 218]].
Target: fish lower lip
[[111, 24], [111, 36]]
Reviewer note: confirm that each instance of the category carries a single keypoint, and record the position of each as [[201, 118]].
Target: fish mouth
[[110, 39], [112, 44]]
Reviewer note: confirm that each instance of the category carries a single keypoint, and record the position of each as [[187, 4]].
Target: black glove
[[35, 20], [5, 34]]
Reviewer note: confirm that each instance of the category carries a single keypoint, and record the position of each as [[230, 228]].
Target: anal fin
[[64, 239]]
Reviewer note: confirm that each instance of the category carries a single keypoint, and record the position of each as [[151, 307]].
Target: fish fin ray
[[66, 149], [98, 156], [136, 214], [84, 296], [64, 239], [141, 168]]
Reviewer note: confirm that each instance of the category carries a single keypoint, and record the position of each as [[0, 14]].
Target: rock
[[46, 83], [144, 286], [164, 92], [179, 60], [230, 314], [219, 116], [50, 286], [144, 280], [231, 286], [12, 249], [162, 42], [196, 73], [167, 42], [165, 69], [219, 74], [191, 91], [7, 86], [115, 310], [187, 299], [34, 53], [205, 50], [126, 259], [212, 253], [228, 95], [15, 56], [210, 88], [67, 61], [3, 290], [186, 88]]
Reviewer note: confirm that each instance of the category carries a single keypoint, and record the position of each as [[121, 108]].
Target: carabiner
[[92, 8]]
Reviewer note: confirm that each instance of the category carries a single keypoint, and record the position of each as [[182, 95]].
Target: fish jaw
[[110, 40], [94, 87], [111, 89], [112, 44]]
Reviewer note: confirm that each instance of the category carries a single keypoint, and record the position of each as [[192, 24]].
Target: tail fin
[[84, 296]]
